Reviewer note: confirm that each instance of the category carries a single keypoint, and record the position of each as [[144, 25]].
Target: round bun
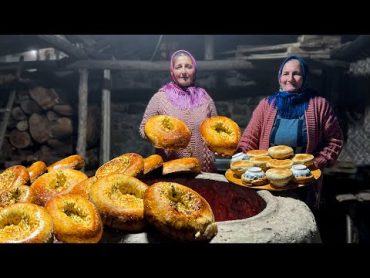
[[12, 185], [130, 164], [71, 162], [54, 183], [36, 169], [255, 153], [76, 219], [119, 200], [167, 132], [152, 162], [25, 223], [303, 158], [179, 212], [83, 188], [221, 134], [240, 166], [279, 177], [181, 165], [261, 161], [280, 163], [281, 152]]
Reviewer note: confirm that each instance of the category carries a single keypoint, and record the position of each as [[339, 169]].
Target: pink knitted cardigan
[[324, 135], [160, 105]]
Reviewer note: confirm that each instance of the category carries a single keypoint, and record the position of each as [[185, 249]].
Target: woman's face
[[183, 70], [291, 78]]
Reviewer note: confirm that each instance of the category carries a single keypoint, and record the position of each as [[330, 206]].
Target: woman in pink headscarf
[[182, 99]]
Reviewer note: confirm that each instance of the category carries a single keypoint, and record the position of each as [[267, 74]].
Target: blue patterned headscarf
[[292, 105]]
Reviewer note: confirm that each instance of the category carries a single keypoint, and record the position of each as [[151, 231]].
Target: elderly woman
[[183, 99], [297, 117]]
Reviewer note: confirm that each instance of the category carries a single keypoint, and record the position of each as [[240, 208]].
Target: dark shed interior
[[86, 94]]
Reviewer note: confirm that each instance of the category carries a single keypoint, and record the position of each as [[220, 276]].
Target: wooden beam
[[249, 49], [64, 45], [28, 65], [82, 112], [349, 51], [215, 65], [106, 115]]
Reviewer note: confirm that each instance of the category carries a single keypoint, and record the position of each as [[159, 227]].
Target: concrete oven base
[[284, 220]]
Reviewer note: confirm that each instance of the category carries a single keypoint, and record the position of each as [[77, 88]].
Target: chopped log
[[19, 139], [22, 125], [60, 146], [44, 97], [52, 116], [61, 128], [63, 109], [127, 65], [39, 126], [29, 106], [18, 114], [22, 95]]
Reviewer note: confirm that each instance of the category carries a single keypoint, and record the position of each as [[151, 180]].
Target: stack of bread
[[277, 165]]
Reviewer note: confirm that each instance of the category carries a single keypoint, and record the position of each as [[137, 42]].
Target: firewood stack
[[43, 126]]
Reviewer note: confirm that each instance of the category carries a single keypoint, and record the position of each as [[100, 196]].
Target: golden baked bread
[[152, 162], [130, 164], [54, 183], [260, 161], [83, 188], [280, 152], [12, 185], [240, 166], [181, 165], [221, 134], [119, 200], [36, 169], [280, 163], [167, 132], [75, 219], [179, 212], [25, 223], [279, 177], [303, 158], [255, 153], [13, 177], [21, 194], [75, 162]]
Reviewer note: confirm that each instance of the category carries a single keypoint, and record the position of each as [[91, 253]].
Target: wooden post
[[105, 131], [209, 49], [82, 112]]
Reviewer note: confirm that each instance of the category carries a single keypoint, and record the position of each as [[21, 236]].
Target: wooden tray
[[231, 178]]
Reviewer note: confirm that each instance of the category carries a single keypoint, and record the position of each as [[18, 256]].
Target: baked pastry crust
[[75, 218], [119, 200], [181, 165], [75, 161], [221, 134], [179, 212], [152, 162], [281, 152], [131, 164], [25, 223], [167, 132]]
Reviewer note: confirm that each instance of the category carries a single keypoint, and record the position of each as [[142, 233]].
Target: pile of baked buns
[[278, 166], [60, 203]]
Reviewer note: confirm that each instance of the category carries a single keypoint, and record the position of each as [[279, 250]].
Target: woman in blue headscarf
[[295, 116]]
